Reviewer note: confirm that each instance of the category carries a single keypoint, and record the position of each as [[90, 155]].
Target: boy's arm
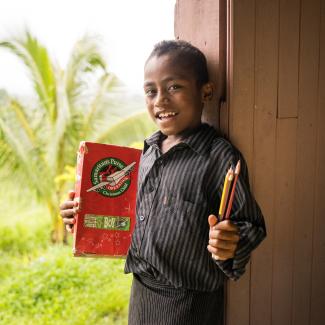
[[247, 217]]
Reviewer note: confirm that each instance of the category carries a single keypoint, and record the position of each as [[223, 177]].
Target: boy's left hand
[[223, 238]]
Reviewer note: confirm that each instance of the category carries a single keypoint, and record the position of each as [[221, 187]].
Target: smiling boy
[[180, 255]]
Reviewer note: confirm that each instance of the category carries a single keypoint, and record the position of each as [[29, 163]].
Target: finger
[[69, 228], [68, 213], [224, 244], [212, 220], [226, 225], [67, 205], [71, 194], [221, 253], [69, 221], [218, 258], [224, 235], [214, 256]]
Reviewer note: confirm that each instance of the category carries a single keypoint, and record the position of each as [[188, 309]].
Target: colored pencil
[[232, 195], [225, 192]]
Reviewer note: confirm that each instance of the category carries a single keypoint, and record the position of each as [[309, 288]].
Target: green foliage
[[36, 58], [39, 283], [39, 138], [43, 284], [128, 130], [56, 288], [18, 240]]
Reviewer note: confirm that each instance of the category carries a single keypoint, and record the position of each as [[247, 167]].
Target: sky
[[128, 29]]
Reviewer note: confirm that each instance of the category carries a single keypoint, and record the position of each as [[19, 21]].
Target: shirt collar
[[199, 141]]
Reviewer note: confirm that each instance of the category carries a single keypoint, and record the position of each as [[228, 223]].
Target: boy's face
[[173, 98]]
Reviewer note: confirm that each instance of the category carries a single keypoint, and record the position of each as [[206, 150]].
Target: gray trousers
[[151, 304]]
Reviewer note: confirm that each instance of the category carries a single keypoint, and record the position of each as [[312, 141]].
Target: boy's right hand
[[68, 209], [223, 238]]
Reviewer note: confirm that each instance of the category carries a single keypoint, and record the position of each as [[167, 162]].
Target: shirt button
[[141, 218], [151, 188]]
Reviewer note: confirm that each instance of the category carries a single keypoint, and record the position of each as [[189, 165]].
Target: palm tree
[[39, 137]]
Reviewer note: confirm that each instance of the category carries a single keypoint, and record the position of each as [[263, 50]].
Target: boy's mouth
[[165, 115]]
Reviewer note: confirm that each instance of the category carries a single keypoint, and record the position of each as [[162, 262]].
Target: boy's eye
[[174, 87], [150, 92]]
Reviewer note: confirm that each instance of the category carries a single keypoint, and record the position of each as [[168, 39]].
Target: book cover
[[106, 187]]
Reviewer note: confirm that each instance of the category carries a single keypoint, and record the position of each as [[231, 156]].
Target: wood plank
[[203, 24], [241, 110], [318, 263], [288, 58], [284, 219], [237, 305], [306, 157], [225, 105], [242, 88], [224, 119], [265, 111]]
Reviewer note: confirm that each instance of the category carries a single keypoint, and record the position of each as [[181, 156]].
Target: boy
[[179, 262]]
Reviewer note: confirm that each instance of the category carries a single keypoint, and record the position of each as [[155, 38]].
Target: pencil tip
[[237, 167]]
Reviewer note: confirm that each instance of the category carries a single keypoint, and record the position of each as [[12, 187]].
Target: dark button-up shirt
[[177, 191]]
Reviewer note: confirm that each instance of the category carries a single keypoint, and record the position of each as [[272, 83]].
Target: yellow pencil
[[225, 192]]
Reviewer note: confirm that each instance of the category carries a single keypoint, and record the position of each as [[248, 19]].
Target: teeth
[[167, 114]]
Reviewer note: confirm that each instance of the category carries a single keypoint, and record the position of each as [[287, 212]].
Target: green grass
[[43, 284], [56, 288]]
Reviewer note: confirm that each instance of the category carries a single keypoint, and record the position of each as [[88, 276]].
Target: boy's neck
[[169, 142], [173, 139]]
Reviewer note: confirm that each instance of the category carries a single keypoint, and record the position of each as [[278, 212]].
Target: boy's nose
[[161, 98]]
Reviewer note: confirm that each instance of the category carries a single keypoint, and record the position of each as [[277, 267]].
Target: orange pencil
[[225, 193], [232, 195]]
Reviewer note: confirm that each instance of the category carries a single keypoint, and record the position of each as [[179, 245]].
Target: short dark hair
[[187, 55]]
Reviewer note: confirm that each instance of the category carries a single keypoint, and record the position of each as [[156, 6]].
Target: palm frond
[[37, 60], [21, 151], [90, 118], [23, 120], [134, 128], [86, 57], [60, 129], [22, 155]]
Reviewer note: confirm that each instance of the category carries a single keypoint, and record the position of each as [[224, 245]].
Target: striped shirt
[[177, 191]]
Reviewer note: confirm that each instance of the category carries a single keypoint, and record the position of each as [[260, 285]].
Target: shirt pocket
[[185, 228], [192, 216]]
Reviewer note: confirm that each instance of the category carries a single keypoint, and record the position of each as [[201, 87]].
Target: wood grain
[[318, 260], [283, 243], [203, 24], [241, 112], [265, 111], [306, 157], [288, 58]]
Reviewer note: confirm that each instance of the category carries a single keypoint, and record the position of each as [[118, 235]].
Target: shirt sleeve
[[246, 215]]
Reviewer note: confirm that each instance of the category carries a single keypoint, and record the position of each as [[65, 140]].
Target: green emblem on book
[[107, 222], [111, 177]]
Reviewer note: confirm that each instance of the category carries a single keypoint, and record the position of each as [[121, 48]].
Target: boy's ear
[[207, 92]]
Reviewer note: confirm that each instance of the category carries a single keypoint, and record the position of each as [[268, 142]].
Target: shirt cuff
[[250, 237]]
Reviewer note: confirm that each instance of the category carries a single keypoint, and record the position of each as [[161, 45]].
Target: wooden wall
[[197, 21], [275, 114]]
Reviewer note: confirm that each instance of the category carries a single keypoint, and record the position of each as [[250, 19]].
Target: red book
[[106, 188]]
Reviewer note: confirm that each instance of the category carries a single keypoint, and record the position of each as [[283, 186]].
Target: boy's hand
[[68, 209], [223, 238]]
